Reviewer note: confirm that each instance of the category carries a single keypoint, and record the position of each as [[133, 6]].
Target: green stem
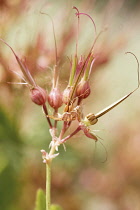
[[73, 70], [48, 185], [87, 70]]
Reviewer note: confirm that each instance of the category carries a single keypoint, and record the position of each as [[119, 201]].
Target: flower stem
[[48, 185], [46, 113], [72, 134]]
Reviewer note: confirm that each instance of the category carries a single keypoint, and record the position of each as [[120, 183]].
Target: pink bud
[[66, 94], [83, 89], [55, 98], [38, 95]]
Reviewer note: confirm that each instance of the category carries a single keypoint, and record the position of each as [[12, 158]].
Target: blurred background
[[80, 177]]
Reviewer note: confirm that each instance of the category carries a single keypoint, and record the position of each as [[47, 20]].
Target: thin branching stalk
[[46, 113]]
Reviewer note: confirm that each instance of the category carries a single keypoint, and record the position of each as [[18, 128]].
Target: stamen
[[55, 79], [105, 151], [97, 37], [56, 57], [137, 67], [77, 14], [77, 29]]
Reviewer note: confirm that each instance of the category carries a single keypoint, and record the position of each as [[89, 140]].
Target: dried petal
[[88, 133]]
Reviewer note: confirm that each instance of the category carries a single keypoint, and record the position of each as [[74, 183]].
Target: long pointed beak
[[112, 106]]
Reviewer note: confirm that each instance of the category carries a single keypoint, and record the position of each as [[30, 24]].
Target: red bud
[[38, 95], [55, 98], [66, 94], [83, 89]]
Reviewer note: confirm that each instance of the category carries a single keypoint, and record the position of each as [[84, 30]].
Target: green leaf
[[40, 200], [8, 187], [55, 207], [11, 147]]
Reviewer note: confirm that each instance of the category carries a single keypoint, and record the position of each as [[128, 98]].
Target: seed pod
[[92, 119], [38, 95], [83, 89], [55, 98], [66, 94]]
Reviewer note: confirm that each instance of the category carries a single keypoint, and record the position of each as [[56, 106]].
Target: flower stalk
[[48, 185]]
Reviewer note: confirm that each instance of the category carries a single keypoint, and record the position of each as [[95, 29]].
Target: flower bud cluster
[[78, 89]]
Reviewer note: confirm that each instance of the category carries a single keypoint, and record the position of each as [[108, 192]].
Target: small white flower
[[53, 156], [43, 153], [46, 156], [51, 144], [64, 147], [55, 144]]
